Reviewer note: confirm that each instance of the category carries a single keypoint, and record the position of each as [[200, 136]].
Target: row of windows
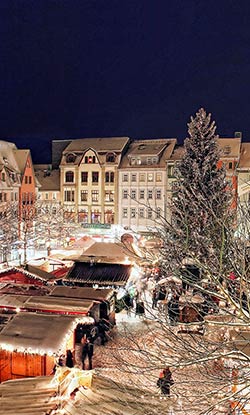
[[142, 213], [109, 177], [27, 179], [110, 158], [69, 196], [142, 194], [157, 176]]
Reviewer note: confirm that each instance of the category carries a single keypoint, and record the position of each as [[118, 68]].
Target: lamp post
[[67, 240]]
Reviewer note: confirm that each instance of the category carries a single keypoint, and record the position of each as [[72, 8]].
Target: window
[[230, 165], [84, 177], [109, 177], [133, 212], [25, 179], [133, 194], [141, 212], [170, 171], [149, 160], [158, 194], [150, 177], [54, 210], [69, 195], [124, 194], [133, 177], [95, 176], [54, 196], [125, 212], [150, 194], [150, 213], [89, 159], [110, 158], [142, 194], [46, 196], [84, 195], [109, 196], [158, 213], [3, 177], [142, 177], [69, 177], [158, 177], [154, 160], [70, 158], [125, 178], [95, 195], [95, 216]]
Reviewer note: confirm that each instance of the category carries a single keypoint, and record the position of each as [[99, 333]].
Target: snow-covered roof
[[82, 292], [37, 333], [39, 396], [46, 303]]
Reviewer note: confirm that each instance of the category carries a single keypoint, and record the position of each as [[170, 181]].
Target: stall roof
[[37, 396], [48, 304], [39, 333], [21, 276], [100, 294], [99, 273]]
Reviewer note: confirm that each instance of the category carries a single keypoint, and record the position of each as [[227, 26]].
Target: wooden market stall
[[30, 342]]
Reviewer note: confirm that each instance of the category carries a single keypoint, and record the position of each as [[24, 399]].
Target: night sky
[[137, 68]]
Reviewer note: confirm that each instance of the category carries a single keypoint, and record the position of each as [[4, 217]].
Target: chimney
[[238, 134]]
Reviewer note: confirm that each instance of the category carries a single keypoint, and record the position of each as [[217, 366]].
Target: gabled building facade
[[89, 179], [143, 182]]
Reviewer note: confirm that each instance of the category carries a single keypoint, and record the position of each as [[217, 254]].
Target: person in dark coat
[[165, 381], [87, 352], [69, 358]]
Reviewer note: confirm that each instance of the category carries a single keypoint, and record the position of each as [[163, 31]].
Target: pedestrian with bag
[[165, 381]]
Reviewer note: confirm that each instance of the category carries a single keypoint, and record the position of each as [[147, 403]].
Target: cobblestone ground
[[188, 395]]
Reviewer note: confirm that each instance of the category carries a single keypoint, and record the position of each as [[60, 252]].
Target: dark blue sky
[[140, 68]]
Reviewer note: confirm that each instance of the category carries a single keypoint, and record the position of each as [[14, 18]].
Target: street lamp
[[67, 240]]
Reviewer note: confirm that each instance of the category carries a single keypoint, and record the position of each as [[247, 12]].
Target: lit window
[[150, 177], [109, 195], [124, 212], [95, 195], [84, 195], [158, 177], [133, 212], [69, 195], [142, 177], [89, 159]]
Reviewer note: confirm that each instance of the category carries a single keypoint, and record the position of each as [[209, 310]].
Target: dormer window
[[89, 159], [227, 150], [3, 177], [70, 158], [110, 158]]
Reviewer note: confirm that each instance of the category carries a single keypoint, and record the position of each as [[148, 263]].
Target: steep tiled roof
[[49, 181], [245, 156], [98, 144]]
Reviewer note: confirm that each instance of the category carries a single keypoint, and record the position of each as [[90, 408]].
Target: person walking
[[165, 381], [69, 358], [87, 352]]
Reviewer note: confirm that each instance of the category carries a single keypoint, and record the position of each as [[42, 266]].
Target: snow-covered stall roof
[[46, 303], [39, 396], [90, 293], [32, 396], [21, 276], [37, 333]]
